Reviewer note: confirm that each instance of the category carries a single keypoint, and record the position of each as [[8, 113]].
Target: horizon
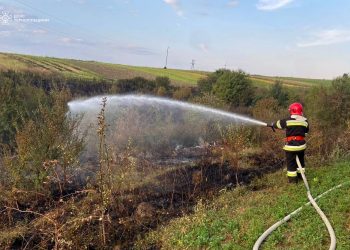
[[306, 39]]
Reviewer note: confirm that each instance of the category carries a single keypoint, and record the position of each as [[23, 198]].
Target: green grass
[[289, 81], [237, 218], [181, 76], [6, 62]]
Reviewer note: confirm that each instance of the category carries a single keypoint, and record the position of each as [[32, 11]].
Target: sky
[[300, 38]]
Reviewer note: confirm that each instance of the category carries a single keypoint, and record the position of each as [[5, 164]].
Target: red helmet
[[296, 109]]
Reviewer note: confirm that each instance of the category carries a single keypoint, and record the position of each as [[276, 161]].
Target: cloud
[[5, 33], [71, 40], [136, 50], [175, 4], [327, 37], [39, 31], [233, 3], [269, 5], [203, 47]]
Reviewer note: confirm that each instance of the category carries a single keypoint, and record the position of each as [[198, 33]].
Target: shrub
[[268, 110], [210, 100], [235, 88], [279, 93], [331, 106], [182, 93], [47, 147], [19, 101], [163, 82], [137, 84], [235, 140], [161, 91], [205, 85]]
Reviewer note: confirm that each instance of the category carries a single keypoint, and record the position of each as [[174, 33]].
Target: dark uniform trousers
[[292, 165]]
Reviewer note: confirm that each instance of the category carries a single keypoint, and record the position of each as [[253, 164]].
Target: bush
[[235, 88], [205, 85], [331, 106], [136, 85], [182, 93], [210, 100], [279, 93], [268, 110], [329, 110], [19, 101], [163, 82], [47, 147]]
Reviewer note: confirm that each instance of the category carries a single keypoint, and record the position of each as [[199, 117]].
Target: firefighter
[[296, 126]]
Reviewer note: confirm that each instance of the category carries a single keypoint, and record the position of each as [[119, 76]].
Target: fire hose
[[314, 204]]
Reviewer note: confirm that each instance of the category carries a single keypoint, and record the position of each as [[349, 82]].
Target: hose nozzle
[[271, 126]]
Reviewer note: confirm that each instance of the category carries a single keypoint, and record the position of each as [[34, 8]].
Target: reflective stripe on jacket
[[295, 125]]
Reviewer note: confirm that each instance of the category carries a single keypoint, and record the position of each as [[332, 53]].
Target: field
[[92, 69], [289, 81]]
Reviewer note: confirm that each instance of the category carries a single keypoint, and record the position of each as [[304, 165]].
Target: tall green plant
[[235, 88], [279, 93]]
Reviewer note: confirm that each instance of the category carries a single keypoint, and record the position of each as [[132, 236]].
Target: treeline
[[23, 93], [89, 87]]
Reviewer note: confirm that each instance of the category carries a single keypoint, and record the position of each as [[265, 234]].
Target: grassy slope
[[237, 218], [290, 81], [91, 69]]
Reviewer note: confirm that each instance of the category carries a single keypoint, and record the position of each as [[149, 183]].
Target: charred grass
[[72, 220]]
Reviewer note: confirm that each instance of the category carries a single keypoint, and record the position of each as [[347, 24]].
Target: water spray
[[115, 101], [155, 125]]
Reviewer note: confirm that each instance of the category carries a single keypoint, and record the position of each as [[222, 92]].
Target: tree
[[332, 105], [205, 85], [277, 92], [235, 88]]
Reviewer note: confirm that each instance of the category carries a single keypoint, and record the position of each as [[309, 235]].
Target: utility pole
[[192, 64], [166, 58]]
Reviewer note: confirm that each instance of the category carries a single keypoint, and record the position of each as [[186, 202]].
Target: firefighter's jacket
[[295, 125]]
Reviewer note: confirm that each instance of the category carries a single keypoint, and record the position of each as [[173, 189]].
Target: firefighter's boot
[[292, 179], [300, 177]]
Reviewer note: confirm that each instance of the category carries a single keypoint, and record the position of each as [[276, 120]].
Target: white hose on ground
[[317, 208], [261, 239]]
